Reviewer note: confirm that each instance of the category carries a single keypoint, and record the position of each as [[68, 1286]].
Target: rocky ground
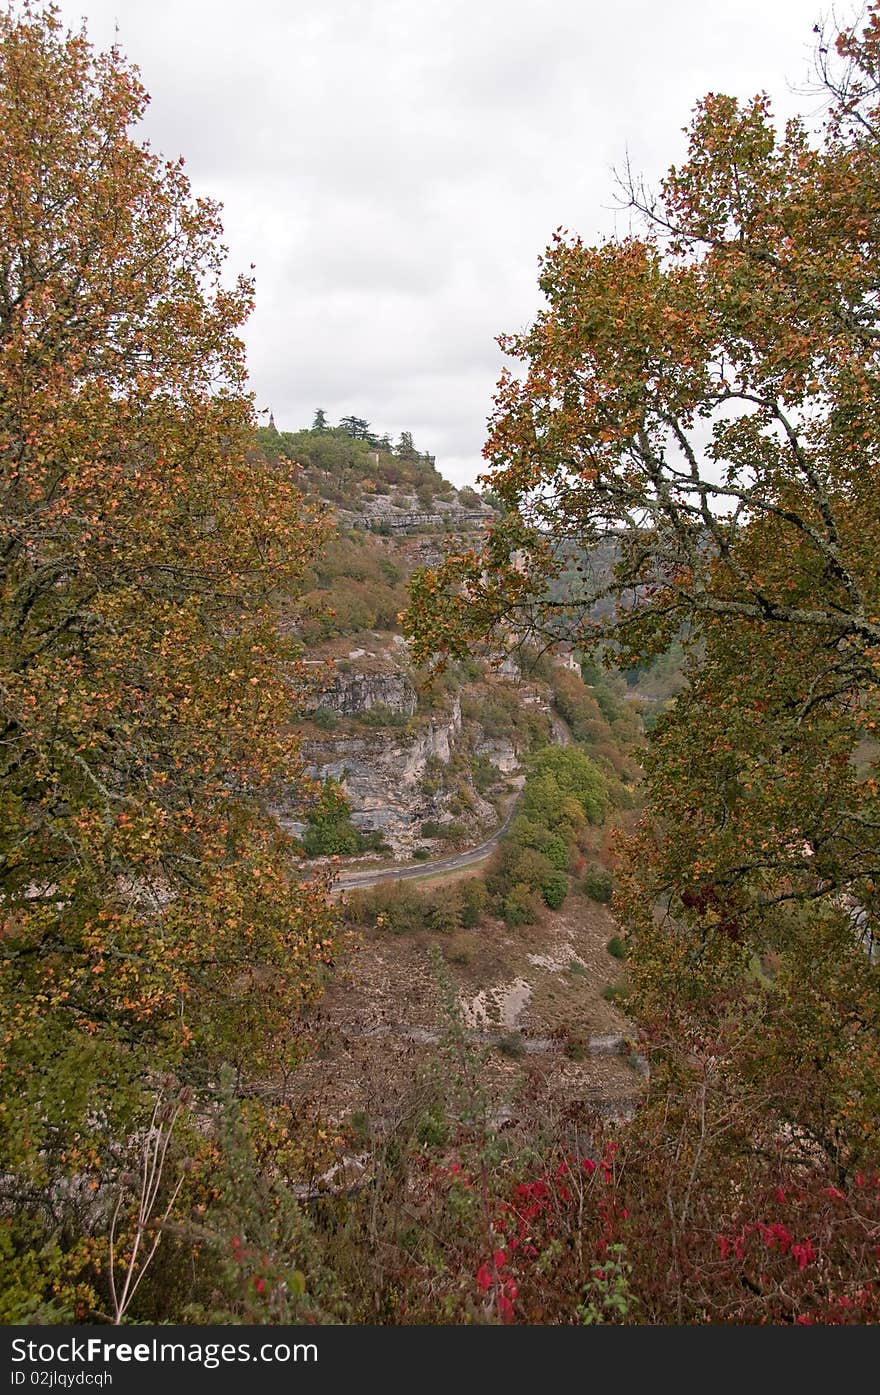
[[533, 1022]]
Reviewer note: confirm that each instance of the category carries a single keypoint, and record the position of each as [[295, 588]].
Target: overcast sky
[[394, 168]]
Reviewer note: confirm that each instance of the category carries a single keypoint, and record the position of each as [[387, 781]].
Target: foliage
[[554, 889], [520, 906], [598, 883], [152, 912], [473, 899], [348, 462], [558, 775], [563, 788], [351, 587], [704, 394], [330, 831]]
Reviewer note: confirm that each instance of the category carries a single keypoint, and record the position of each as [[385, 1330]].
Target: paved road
[[412, 871]]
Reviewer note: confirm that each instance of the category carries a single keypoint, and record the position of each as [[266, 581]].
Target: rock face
[[500, 751], [408, 769], [408, 515], [353, 693], [384, 773]]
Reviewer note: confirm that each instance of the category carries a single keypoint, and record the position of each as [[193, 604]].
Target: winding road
[[414, 870]]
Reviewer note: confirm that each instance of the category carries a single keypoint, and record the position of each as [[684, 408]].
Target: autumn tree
[[703, 398], [152, 916]]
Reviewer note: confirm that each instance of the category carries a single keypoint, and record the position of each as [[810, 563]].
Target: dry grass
[[381, 1019]]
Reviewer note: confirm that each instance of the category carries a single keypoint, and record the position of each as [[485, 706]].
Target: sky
[[395, 168]]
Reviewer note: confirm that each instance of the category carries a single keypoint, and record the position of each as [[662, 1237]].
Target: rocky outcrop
[[500, 751], [407, 772], [407, 513], [457, 521], [353, 693], [383, 773]]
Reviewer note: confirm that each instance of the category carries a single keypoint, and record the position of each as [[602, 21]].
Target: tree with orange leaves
[[151, 911], [703, 398]]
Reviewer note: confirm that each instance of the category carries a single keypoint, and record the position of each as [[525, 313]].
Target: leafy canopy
[[150, 908], [700, 400]]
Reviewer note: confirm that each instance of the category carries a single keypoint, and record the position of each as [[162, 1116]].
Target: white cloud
[[395, 169]]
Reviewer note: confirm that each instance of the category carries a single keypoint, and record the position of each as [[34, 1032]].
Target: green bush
[[330, 831], [558, 772], [381, 716], [615, 992], [598, 883], [554, 890], [474, 898], [391, 906], [444, 915], [530, 867], [483, 773], [374, 841], [556, 851], [521, 906], [432, 1130], [325, 718], [616, 947]]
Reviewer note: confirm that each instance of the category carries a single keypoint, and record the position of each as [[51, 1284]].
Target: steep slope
[[425, 766]]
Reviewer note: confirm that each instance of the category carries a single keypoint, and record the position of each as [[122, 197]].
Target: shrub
[[615, 992], [556, 851], [330, 831], [559, 771], [432, 1129], [444, 914], [616, 947], [521, 906], [532, 868], [483, 773], [512, 1045], [391, 906], [325, 718], [474, 898], [598, 883], [374, 841], [462, 949], [381, 716], [554, 889]]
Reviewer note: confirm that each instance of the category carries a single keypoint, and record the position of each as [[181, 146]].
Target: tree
[[152, 915], [320, 421], [356, 427], [558, 773], [405, 449], [704, 394]]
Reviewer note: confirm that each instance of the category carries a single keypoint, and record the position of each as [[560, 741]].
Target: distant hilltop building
[[272, 426], [565, 657]]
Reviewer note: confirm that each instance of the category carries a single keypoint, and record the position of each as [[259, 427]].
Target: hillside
[[425, 765]]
